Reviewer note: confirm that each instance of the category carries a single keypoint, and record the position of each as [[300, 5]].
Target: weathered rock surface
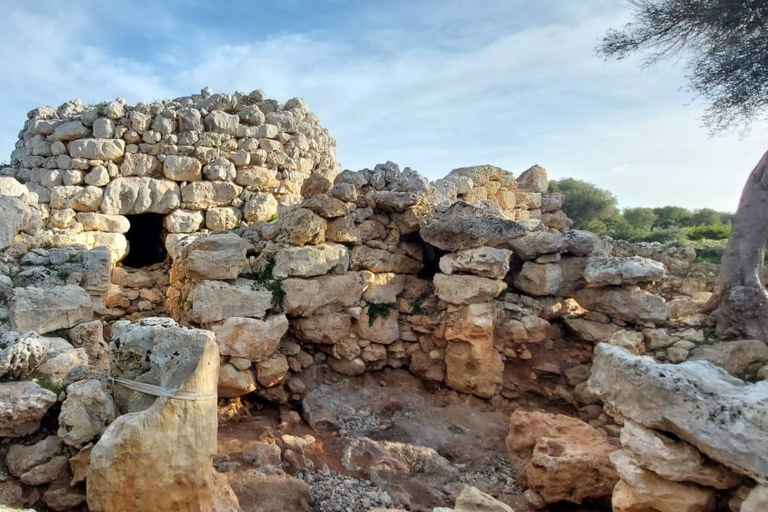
[[45, 310], [219, 256], [160, 455], [473, 365], [674, 459], [303, 297], [455, 232], [21, 459], [640, 489], [213, 301], [698, 402], [560, 278], [22, 407], [562, 458], [626, 303], [484, 262], [462, 290], [86, 412], [472, 499], [131, 196], [732, 356], [250, 338], [618, 271], [311, 261]]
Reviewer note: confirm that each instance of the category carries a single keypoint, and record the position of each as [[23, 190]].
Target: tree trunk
[[742, 311]]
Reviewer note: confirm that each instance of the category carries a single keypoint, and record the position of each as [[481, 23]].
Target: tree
[[709, 217], [587, 205], [671, 217], [724, 45], [641, 219]]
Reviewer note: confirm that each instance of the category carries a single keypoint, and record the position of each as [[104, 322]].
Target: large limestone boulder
[[561, 458], [312, 260], [303, 297], [250, 338], [472, 499], [696, 401], [617, 271], [473, 365], [484, 262], [131, 196], [86, 412], [220, 257], [97, 149], [45, 310], [640, 490], [560, 278], [456, 232], [733, 356], [22, 407], [462, 290], [159, 456], [213, 301], [674, 459], [379, 260], [17, 217], [21, 354], [629, 303]]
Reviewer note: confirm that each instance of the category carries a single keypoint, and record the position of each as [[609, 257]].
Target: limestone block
[[160, 455], [484, 262], [213, 301], [201, 195], [219, 256], [561, 458], [250, 338], [464, 289], [311, 261], [130, 196], [86, 412], [45, 310], [695, 400], [97, 149], [22, 407], [182, 168]]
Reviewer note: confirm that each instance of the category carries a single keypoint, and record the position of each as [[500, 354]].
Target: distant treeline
[[596, 210]]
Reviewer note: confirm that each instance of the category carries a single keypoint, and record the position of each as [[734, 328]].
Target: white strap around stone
[[150, 389]]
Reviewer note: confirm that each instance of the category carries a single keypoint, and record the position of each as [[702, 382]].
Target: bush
[[710, 232]]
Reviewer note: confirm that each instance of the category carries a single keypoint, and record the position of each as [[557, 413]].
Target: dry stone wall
[[284, 264], [206, 162]]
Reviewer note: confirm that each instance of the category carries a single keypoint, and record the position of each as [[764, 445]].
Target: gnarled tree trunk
[[742, 311]]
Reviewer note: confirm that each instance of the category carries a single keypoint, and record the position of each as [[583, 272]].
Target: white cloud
[[431, 85]]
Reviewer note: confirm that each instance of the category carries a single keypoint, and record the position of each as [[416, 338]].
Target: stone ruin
[[214, 242]]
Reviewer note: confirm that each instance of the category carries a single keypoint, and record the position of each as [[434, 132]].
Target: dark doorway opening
[[146, 243]]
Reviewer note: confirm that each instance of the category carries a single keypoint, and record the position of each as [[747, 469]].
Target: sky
[[429, 84]]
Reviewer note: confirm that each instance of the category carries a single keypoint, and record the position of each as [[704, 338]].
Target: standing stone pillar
[[159, 454]]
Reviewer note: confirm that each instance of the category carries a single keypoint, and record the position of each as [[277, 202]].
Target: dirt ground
[[391, 405]]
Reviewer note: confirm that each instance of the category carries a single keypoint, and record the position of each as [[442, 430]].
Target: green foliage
[[641, 220], [73, 258], [56, 387], [63, 275], [587, 205], [267, 280], [376, 310], [418, 309], [721, 45], [710, 232], [672, 217]]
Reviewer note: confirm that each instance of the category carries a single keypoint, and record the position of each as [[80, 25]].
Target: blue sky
[[430, 84]]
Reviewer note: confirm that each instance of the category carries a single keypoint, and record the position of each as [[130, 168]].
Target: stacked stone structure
[[474, 282]]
